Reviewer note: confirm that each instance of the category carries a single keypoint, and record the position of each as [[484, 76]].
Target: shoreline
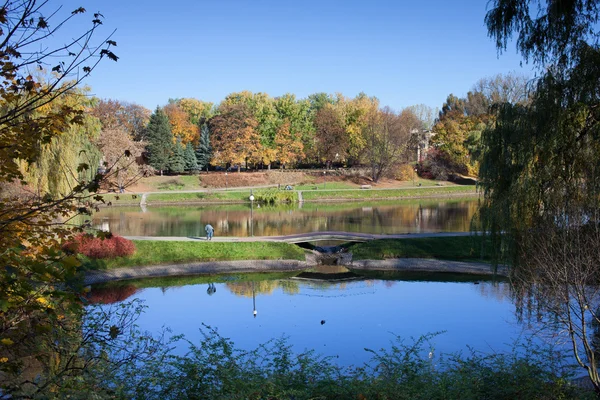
[[228, 267]]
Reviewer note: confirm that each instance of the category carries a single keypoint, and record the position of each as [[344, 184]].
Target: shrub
[[273, 196], [405, 172], [108, 246]]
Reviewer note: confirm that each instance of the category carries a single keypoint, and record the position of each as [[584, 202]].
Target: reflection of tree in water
[[110, 294], [233, 221], [262, 287], [495, 290], [557, 287]]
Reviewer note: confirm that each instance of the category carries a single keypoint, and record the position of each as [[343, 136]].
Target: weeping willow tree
[[55, 171], [540, 170]]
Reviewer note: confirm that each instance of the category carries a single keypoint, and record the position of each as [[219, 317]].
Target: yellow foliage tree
[[181, 126], [288, 148]]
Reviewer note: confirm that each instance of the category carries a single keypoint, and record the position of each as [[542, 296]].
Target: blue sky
[[403, 52]]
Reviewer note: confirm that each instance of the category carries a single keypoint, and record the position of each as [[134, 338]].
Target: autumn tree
[[388, 138], [197, 111], [113, 144], [234, 136], [332, 141], [130, 117], [288, 149], [181, 125], [354, 113], [35, 113], [160, 141], [298, 114]]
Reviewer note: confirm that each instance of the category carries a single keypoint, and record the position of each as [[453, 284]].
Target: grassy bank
[[308, 194], [381, 194], [171, 252], [463, 248], [158, 252]]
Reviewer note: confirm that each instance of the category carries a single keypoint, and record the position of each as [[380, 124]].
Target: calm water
[[241, 220], [357, 314]]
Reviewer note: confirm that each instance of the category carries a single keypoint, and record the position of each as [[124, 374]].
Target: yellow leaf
[[7, 342]]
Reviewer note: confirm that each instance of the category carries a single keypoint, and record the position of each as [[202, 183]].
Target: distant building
[[421, 140]]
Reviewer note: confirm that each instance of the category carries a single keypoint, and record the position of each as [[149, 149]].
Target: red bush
[[110, 246]]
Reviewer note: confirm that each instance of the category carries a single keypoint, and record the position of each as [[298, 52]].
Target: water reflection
[[245, 220], [366, 310]]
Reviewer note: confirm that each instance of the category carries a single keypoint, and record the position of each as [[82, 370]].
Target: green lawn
[[124, 199], [467, 248], [172, 252], [328, 185], [375, 194]]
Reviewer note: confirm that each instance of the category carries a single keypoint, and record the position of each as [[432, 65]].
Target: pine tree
[[204, 150], [160, 141], [191, 164], [177, 158]]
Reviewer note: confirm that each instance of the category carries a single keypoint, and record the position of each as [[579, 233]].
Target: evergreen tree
[[204, 150], [177, 158], [191, 164], [160, 141]]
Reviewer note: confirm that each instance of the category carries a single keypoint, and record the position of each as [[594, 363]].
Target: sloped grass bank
[[157, 252], [377, 194]]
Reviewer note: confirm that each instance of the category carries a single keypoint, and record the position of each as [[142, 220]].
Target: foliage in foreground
[[111, 358], [104, 246]]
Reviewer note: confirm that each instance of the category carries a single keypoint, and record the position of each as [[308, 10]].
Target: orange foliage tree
[[234, 138], [181, 125]]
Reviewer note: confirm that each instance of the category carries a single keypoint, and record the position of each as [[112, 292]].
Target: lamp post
[[225, 180], [251, 198], [414, 177], [324, 172], [254, 312]]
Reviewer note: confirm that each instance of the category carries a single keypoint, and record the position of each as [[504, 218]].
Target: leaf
[[80, 10], [42, 24], [7, 342], [111, 42], [83, 167]]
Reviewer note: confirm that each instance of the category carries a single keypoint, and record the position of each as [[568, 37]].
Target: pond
[[390, 217], [336, 312]]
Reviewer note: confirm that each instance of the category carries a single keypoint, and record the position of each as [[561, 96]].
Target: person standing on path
[[209, 231]]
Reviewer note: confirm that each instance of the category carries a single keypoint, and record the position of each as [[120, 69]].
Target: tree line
[[259, 131]]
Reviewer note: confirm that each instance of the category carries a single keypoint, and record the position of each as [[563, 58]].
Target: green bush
[[274, 196]]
